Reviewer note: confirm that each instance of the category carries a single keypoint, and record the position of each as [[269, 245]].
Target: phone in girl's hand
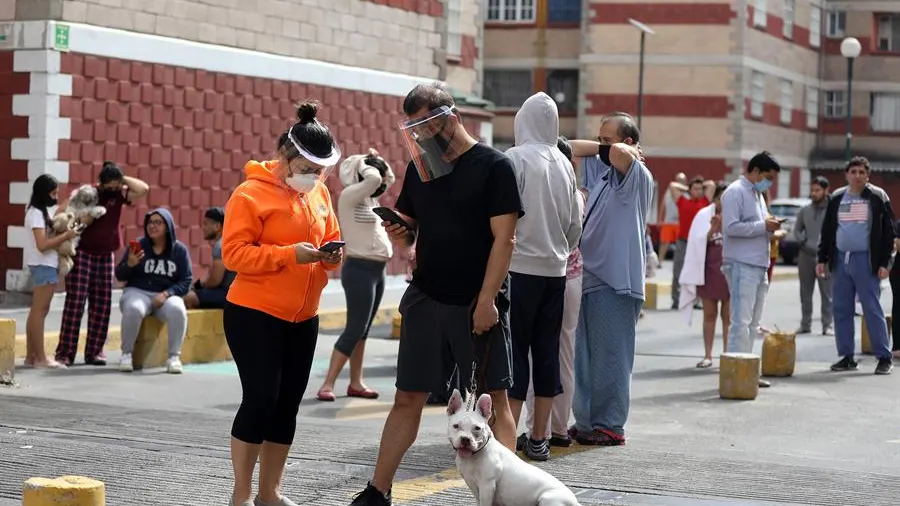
[[135, 247]]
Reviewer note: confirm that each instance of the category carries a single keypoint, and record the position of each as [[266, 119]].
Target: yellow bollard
[[7, 349], [64, 491], [779, 353], [395, 326], [738, 376], [651, 296], [865, 342]]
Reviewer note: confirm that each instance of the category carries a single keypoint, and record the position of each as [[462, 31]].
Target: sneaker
[[560, 441], [98, 360], [371, 496], [173, 366], [521, 441], [885, 366], [803, 330], [282, 501], [125, 363], [845, 364], [827, 331], [537, 450]]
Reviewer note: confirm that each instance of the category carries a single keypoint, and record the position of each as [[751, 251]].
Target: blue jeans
[[853, 277], [748, 286]]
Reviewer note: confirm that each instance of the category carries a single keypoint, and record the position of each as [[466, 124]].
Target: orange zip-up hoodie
[[264, 219]]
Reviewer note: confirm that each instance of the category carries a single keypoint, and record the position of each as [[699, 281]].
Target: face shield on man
[[429, 140], [307, 168]]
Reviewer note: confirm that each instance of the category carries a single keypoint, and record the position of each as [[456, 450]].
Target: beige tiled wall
[[350, 32]]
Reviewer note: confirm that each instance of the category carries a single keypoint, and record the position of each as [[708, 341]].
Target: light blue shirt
[[853, 223], [612, 244], [744, 214]]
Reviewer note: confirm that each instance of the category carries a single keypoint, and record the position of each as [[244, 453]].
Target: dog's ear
[[485, 406], [455, 403]]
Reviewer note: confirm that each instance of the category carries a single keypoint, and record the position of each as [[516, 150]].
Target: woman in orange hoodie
[[278, 218]]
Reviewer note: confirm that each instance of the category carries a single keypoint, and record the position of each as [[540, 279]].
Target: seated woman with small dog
[[157, 274]]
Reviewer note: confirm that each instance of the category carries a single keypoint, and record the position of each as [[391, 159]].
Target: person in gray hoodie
[[807, 229], [545, 237]]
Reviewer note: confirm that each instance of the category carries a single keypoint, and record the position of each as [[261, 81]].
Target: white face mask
[[303, 183]]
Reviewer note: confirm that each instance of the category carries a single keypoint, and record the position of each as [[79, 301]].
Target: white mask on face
[[303, 183]]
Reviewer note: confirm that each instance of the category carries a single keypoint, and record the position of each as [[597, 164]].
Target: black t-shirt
[[454, 217]]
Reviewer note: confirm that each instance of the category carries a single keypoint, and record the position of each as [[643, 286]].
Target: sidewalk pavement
[[817, 438]]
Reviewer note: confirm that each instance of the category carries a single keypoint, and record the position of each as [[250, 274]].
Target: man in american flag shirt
[[856, 247]]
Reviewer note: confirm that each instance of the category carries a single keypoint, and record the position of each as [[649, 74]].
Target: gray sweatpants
[[806, 270], [137, 304], [677, 266]]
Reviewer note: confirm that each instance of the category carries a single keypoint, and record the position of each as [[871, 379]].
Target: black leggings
[[273, 358]]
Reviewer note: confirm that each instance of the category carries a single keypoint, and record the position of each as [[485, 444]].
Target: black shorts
[[434, 336], [537, 314]]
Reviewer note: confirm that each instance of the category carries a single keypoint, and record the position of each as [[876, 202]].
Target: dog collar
[[483, 446]]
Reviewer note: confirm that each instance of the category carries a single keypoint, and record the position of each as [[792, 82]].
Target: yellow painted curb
[[64, 491], [7, 348], [654, 290], [329, 321]]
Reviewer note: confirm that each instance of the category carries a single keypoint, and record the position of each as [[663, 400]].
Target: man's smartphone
[[332, 246], [389, 215], [781, 220]]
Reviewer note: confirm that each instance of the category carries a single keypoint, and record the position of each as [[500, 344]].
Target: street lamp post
[[645, 30], [850, 49]]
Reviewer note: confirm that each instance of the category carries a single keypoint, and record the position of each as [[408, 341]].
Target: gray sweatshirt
[[744, 214], [808, 226], [551, 227]]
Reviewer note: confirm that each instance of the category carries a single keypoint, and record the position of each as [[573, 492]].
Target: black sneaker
[[560, 441], [521, 441], [537, 450], [845, 364], [885, 366], [803, 330], [371, 496]]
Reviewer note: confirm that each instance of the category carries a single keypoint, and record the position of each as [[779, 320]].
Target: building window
[[788, 16], [564, 11], [787, 102], [885, 112], [562, 86], [812, 107], [757, 94], [454, 33], [889, 32], [837, 23], [835, 104], [508, 88], [760, 13], [815, 26], [510, 10]]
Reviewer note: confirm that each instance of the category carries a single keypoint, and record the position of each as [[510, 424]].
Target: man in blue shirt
[[746, 227], [614, 254], [857, 246]]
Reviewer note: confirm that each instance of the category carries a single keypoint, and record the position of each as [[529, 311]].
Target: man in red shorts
[[689, 199]]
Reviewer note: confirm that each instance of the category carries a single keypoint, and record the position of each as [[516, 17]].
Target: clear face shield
[[307, 168], [429, 140]]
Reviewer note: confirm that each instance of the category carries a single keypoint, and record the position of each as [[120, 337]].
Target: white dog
[[496, 476]]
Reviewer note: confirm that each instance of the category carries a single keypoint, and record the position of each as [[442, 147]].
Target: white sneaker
[[173, 366], [125, 364]]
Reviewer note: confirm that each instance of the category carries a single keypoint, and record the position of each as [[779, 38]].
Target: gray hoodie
[[551, 227], [808, 226]]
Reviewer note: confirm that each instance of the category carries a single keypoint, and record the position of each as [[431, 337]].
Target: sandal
[[365, 393], [600, 437], [325, 396], [704, 364], [51, 364]]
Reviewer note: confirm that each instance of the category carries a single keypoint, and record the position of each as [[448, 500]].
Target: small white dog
[[496, 475]]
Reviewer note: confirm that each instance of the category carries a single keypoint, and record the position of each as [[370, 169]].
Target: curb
[[329, 321], [655, 289]]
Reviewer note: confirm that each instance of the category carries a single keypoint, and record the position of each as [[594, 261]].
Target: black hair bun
[[306, 112]]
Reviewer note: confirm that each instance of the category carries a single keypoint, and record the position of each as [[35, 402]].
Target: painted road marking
[[365, 409], [894, 441], [419, 488]]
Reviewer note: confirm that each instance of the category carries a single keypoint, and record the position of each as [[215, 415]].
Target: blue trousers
[[853, 276], [604, 359]]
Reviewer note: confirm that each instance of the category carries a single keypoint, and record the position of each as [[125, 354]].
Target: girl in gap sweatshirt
[[157, 273]]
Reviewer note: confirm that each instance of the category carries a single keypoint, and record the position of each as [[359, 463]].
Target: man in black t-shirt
[[462, 201]]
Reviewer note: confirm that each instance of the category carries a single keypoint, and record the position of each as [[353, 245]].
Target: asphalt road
[[817, 438]]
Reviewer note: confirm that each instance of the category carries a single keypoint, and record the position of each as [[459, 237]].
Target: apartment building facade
[[722, 79], [181, 93]]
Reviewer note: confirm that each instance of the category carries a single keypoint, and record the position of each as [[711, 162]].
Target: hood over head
[[537, 121], [166, 215]]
